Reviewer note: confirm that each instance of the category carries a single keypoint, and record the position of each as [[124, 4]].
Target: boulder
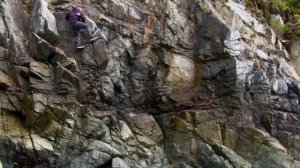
[[234, 159], [145, 125], [127, 11], [13, 126], [233, 44], [295, 87], [5, 81], [67, 82], [262, 55], [241, 11], [107, 89], [255, 143], [277, 19], [40, 76], [181, 73], [40, 70], [90, 159], [119, 163], [44, 23], [44, 51], [225, 41], [42, 146], [14, 33], [211, 33], [36, 111], [126, 133], [103, 147], [209, 131]]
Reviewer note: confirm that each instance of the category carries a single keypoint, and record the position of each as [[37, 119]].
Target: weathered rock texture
[[185, 83]]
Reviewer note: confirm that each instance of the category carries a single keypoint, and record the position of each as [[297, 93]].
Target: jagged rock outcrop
[[181, 83], [44, 23]]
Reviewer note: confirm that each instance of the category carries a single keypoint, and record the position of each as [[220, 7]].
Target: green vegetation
[[288, 9], [28, 4], [278, 28]]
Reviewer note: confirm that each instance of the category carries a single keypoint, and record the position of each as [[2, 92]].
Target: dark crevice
[[106, 165]]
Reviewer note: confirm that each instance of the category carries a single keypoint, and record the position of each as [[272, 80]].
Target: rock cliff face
[[169, 83]]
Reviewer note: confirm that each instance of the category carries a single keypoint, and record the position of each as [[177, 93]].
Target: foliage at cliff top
[[288, 9]]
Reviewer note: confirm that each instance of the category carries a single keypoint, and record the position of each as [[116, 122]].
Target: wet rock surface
[[166, 84]]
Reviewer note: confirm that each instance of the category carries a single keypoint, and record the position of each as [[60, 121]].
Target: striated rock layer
[[169, 83]]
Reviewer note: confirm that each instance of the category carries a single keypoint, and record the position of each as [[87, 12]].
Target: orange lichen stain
[[72, 59], [258, 41], [25, 40], [148, 29]]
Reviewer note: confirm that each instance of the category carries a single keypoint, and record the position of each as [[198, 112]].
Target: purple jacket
[[74, 16]]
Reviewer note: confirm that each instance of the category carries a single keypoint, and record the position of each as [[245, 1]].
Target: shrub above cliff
[[288, 9]]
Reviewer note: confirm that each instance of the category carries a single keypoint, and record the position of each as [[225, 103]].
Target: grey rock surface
[[44, 22], [167, 84], [119, 163], [276, 18]]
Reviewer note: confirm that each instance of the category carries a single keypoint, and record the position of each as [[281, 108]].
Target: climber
[[76, 20]]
